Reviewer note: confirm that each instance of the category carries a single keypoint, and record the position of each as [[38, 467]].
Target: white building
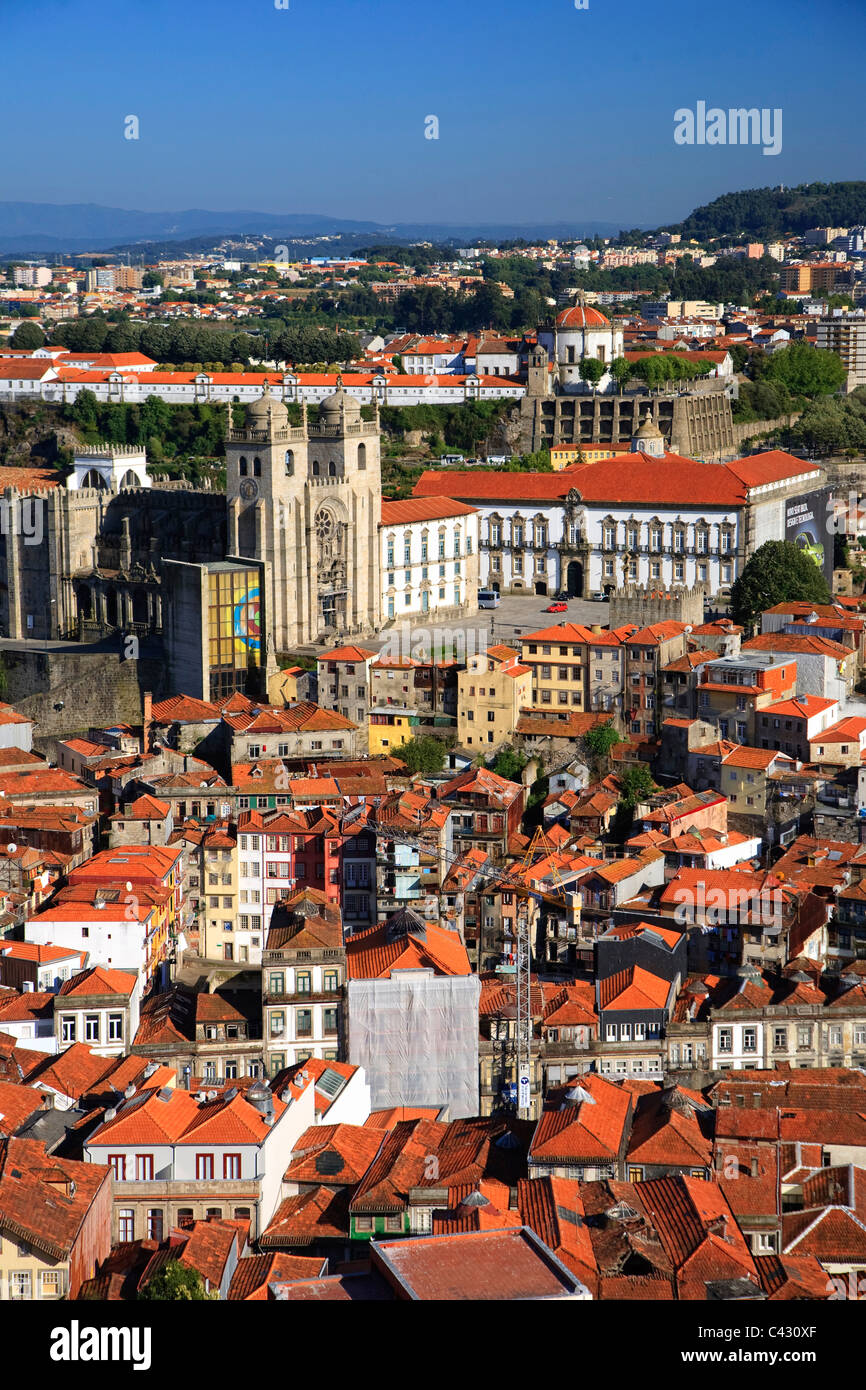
[[578, 333], [429, 557], [651, 518], [16, 730], [99, 1007], [115, 934], [27, 378], [186, 1155], [110, 466]]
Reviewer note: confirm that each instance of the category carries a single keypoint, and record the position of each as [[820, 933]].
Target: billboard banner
[[806, 524]]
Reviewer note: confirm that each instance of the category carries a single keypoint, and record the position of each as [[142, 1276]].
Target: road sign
[[523, 1089]]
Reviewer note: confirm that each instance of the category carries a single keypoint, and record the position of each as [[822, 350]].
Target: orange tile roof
[[422, 509], [370, 955], [100, 980], [633, 988], [40, 954], [346, 654], [333, 1154], [591, 1129], [801, 707], [45, 1199], [254, 1272]]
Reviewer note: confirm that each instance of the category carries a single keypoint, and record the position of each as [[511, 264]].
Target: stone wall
[[696, 423], [635, 604], [92, 685], [749, 429]]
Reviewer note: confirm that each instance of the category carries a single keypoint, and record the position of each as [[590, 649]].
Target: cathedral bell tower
[[307, 499]]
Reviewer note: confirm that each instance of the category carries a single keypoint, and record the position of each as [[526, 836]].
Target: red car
[[556, 608]]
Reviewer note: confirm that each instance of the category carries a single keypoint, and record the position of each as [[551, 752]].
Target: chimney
[[146, 720]]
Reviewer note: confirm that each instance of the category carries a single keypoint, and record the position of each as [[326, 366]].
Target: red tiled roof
[[591, 1129], [253, 1273], [370, 955], [44, 1200], [99, 979], [422, 509], [670, 479], [633, 988]]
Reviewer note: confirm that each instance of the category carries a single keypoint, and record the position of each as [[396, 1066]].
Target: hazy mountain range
[[43, 228]]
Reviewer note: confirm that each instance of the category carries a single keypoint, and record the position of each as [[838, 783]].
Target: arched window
[[257, 468], [129, 479], [362, 456], [242, 467], [315, 468], [332, 470], [93, 478], [290, 463]]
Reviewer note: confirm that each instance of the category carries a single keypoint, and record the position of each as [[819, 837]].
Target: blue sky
[[545, 112]]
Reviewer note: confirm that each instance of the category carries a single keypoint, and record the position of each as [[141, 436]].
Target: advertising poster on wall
[[806, 524]]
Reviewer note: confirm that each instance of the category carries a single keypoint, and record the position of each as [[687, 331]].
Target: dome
[[267, 407], [582, 316], [648, 429], [339, 406]]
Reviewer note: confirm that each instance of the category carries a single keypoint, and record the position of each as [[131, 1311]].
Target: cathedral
[[290, 556], [307, 501]]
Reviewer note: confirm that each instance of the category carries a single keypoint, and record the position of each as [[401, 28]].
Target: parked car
[[556, 608]]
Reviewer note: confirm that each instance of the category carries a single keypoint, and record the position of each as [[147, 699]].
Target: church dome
[[582, 316], [339, 406], [648, 429], [267, 408]]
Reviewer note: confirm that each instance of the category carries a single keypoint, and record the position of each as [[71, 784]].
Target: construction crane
[[508, 882]]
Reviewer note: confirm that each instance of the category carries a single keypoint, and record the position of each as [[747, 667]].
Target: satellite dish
[[11, 848]]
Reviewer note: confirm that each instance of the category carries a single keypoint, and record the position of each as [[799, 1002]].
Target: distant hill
[[764, 213], [45, 228]]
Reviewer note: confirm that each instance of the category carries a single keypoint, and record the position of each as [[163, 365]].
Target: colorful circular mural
[[246, 621]]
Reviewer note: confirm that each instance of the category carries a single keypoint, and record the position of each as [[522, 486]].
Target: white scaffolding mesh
[[416, 1036]]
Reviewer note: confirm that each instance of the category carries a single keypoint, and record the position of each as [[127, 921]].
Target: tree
[[176, 1283], [778, 571], [636, 784], [600, 740], [806, 370], [28, 335], [84, 410], [425, 755], [150, 279], [591, 370], [620, 370], [510, 764]]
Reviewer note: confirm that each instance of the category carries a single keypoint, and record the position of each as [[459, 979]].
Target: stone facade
[[307, 501], [697, 425], [634, 603], [111, 555]]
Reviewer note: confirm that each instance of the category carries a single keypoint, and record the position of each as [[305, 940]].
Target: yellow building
[[491, 692], [577, 667], [218, 896], [55, 1222], [564, 455], [389, 726]]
